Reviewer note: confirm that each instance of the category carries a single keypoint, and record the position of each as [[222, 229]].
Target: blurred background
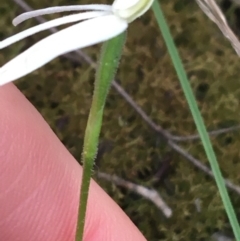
[[160, 156]]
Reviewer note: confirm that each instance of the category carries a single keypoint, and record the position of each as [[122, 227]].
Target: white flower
[[101, 23]]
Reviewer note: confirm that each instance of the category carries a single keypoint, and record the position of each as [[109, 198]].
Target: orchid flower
[[101, 22]]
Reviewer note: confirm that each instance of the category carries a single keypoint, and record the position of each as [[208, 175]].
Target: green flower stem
[[109, 60], [197, 117]]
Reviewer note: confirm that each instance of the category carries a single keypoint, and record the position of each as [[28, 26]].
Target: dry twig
[[147, 193], [211, 9]]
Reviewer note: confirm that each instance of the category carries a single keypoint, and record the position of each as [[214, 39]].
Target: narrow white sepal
[[31, 14], [78, 36], [49, 24]]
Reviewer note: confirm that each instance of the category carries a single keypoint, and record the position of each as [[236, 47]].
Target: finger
[[39, 183]]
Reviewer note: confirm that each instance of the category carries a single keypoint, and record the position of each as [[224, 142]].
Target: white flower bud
[[131, 9]]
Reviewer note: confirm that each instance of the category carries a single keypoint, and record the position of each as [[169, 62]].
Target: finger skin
[[39, 183]]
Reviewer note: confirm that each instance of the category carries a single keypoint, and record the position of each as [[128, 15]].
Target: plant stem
[[109, 60]]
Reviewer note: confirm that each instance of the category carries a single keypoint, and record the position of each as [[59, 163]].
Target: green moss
[[62, 92]]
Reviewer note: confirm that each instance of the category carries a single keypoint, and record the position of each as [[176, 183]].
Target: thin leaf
[[197, 117]]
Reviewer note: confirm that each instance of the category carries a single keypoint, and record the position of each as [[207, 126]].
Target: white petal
[[80, 35], [98, 7], [124, 4], [50, 24]]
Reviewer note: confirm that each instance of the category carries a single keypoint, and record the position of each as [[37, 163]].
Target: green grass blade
[[197, 117], [107, 66]]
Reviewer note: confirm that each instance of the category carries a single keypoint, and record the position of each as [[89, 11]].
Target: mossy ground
[[62, 92]]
